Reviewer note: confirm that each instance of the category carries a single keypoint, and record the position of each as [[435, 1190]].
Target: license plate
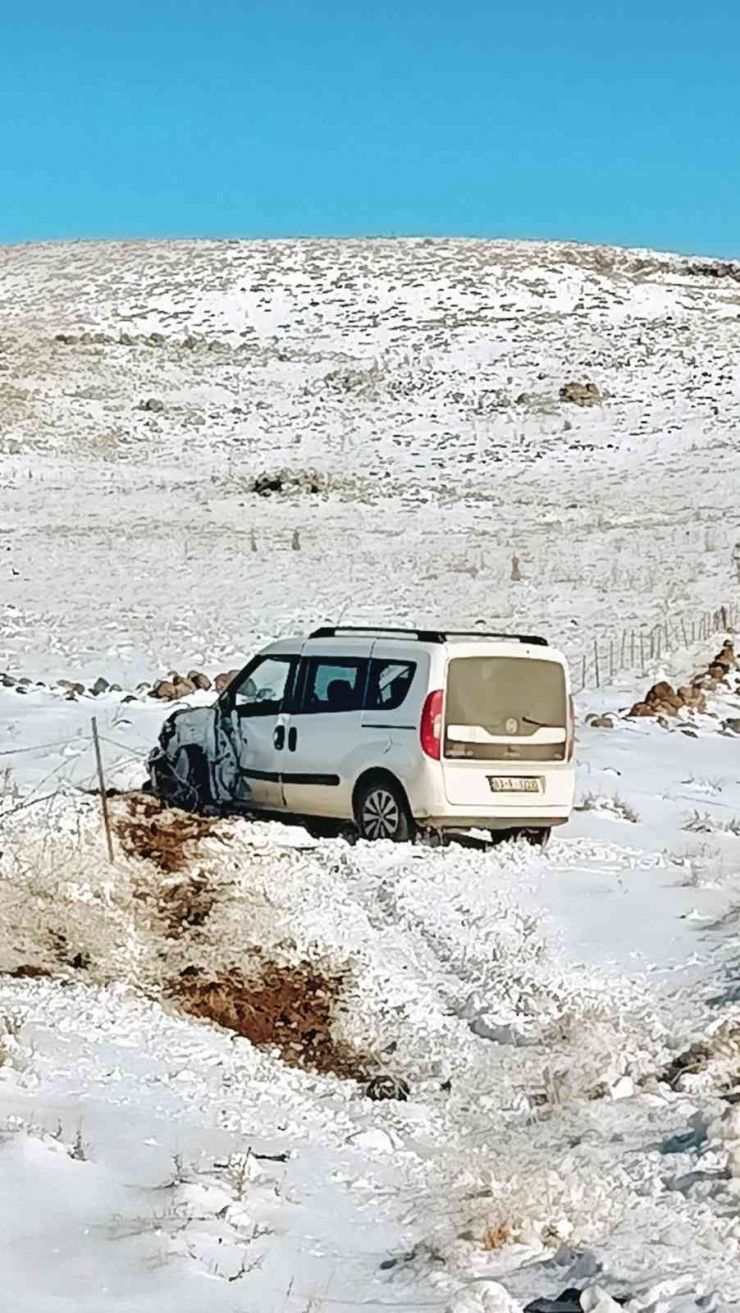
[[513, 784]]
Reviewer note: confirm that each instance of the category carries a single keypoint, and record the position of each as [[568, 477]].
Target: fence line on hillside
[[637, 649]]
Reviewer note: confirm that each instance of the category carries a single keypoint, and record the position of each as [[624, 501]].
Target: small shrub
[[496, 1235], [616, 806], [699, 823]]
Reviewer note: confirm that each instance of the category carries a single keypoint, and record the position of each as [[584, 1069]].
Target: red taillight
[[571, 741], [430, 731]]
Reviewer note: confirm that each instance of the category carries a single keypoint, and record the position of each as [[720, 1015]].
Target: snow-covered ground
[[535, 1005]]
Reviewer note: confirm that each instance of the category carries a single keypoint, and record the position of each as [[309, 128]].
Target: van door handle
[[278, 737], [292, 739]]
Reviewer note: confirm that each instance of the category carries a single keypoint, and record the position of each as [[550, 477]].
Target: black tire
[[538, 838], [502, 836], [189, 787], [382, 812]]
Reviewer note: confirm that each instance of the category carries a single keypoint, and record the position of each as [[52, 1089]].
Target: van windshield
[[518, 701]]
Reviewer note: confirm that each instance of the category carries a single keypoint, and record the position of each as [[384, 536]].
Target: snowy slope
[[532, 1003], [421, 379]]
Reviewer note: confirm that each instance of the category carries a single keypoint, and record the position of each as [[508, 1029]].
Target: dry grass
[[496, 1236], [290, 1008], [616, 806]]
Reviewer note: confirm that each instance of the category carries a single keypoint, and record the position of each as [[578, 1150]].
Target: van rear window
[[522, 703]]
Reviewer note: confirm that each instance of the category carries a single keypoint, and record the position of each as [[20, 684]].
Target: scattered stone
[[568, 1302], [100, 686], [8, 681], [153, 404], [717, 673], [732, 724], [115, 688], [265, 484], [580, 394], [663, 700], [164, 689], [66, 339], [184, 687], [714, 269], [130, 698], [200, 680]]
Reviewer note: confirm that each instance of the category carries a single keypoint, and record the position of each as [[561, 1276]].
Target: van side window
[[389, 683], [261, 690], [334, 684]]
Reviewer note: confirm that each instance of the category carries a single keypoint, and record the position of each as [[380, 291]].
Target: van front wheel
[[382, 812]]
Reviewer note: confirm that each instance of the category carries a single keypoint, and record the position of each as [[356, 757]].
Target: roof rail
[[425, 635]]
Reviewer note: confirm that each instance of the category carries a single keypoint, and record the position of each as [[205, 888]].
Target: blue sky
[[611, 122]]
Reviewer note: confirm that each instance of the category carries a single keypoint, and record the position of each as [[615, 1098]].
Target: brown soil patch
[[27, 971], [290, 1008], [166, 836]]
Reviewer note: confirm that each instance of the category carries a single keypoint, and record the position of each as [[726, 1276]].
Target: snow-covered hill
[[559, 1131], [421, 379]]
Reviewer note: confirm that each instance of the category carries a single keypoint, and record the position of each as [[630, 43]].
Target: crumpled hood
[[188, 725]]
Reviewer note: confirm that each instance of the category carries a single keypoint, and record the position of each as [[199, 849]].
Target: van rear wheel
[[538, 838], [381, 812]]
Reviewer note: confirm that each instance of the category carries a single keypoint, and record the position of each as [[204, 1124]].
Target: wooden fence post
[[103, 796]]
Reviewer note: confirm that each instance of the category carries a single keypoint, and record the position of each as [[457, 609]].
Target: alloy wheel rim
[[381, 815]]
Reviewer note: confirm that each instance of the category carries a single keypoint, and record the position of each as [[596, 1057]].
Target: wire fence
[[637, 649], [596, 665], [86, 745]]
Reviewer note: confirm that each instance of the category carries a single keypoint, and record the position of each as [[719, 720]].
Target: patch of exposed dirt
[[27, 971], [166, 836], [290, 1008]]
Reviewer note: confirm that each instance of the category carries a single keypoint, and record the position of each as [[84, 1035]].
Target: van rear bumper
[[516, 818]]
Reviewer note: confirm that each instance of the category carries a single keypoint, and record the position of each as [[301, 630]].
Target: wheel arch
[[378, 774]]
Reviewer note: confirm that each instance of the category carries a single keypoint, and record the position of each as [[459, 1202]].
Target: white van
[[392, 730]]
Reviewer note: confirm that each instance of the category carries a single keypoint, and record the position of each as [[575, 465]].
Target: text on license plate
[[513, 784]]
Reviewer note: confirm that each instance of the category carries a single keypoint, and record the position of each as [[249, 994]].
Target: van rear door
[[505, 724]]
